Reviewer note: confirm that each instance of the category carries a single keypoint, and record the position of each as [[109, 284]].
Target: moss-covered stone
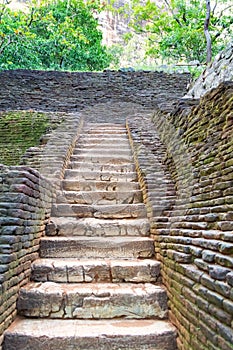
[[20, 130]]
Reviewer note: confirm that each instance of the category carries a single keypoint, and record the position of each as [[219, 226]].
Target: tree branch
[[2, 49], [207, 34], [173, 13]]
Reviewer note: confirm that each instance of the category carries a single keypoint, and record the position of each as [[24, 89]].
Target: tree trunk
[[207, 34]]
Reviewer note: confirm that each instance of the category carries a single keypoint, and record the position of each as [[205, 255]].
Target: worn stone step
[[113, 186], [96, 247], [99, 270], [120, 168], [104, 139], [100, 175], [102, 159], [117, 211], [100, 197], [113, 146], [70, 226], [96, 151], [105, 131], [42, 334], [104, 124], [92, 301]]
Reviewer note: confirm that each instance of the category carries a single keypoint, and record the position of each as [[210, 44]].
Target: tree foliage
[[175, 28], [55, 34]]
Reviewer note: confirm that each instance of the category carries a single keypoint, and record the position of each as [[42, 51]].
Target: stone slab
[[48, 334], [87, 166], [92, 301], [104, 136], [102, 159], [110, 211], [96, 247], [98, 270], [92, 227], [102, 144], [119, 150], [113, 186], [100, 197], [100, 175], [104, 131]]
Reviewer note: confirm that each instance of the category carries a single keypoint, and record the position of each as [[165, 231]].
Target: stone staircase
[[96, 284]]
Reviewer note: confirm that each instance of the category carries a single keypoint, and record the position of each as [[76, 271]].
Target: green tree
[[55, 34], [175, 28]]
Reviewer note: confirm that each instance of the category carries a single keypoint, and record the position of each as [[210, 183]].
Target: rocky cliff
[[220, 70]]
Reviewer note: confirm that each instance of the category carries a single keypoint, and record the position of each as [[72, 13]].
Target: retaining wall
[[196, 248], [71, 92], [26, 197], [25, 201]]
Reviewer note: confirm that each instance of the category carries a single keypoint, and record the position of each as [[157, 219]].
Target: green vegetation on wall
[[19, 131]]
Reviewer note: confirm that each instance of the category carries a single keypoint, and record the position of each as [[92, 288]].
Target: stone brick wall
[[26, 196], [25, 201], [71, 92], [196, 246]]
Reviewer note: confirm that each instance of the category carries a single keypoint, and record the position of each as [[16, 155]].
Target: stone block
[[76, 334], [92, 301], [97, 247]]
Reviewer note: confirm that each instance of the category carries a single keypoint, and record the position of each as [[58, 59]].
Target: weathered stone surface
[[119, 149], [105, 335], [73, 185], [71, 226], [98, 301], [100, 176], [85, 166], [220, 70], [87, 270], [65, 91], [100, 197], [103, 159], [81, 247], [121, 211]]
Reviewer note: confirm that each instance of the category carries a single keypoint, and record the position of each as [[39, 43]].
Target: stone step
[[107, 125], [120, 168], [104, 138], [97, 247], [105, 131], [102, 159], [113, 146], [70, 226], [100, 197], [113, 186], [42, 334], [96, 151], [92, 301], [110, 211], [100, 175], [99, 270]]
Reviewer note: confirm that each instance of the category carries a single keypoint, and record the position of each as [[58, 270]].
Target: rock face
[[113, 26], [219, 71]]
